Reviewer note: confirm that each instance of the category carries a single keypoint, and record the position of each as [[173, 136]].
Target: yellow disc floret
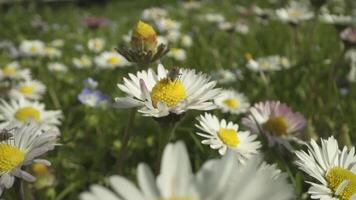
[[9, 71], [276, 125], [144, 30], [229, 137], [26, 89], [10, 157], [113, 60], [168, 91], [26, 113], [335, 176], [231, 103], [144, 37]]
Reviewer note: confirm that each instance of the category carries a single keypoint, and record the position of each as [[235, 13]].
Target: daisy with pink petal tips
[[276, 121]]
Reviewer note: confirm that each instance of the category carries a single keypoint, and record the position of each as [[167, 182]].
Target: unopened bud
[[144, 38], [344, 137]]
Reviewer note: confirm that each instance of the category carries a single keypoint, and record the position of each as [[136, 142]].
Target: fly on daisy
[[157, 95], [223, 135], [276, 121], [334, 170]]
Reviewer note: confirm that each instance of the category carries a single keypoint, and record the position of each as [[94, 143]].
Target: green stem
[[126, 139], [19, 189]]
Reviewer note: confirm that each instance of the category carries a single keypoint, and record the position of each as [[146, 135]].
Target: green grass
[[91, 138]]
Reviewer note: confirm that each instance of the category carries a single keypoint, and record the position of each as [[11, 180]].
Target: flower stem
[[126, 139], [19, 189]]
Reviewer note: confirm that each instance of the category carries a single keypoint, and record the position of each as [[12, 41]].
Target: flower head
[[92, 98], [295, 13], [232, 102], [223, 135], [276, 121], [333, 169], [144, 37], [29, 89], [28, 142], [158, 94]]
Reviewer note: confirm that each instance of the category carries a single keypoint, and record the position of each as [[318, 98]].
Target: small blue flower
[[92, 98]]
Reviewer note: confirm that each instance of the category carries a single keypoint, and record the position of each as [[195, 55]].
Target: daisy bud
[[248, 56], [144, 38], [309, 133]]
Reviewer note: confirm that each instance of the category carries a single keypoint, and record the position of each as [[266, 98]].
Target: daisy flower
[[216, 180], [154, 13], [28, 143], [166, 24], [276, 121], [96, 44], [13, 71], [107, 60], [232, 102], [295, 13], [57, 67], [329, 18], [177, 54], [224, 76], [30, 89], [175, 181], [186, 40], [52, 52], [214, 17], [333, 169], [21, 110], [268, 63], [82, 62], [158, 95], [224, 135], [32, 47]]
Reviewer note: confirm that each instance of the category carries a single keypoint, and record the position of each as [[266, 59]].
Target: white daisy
[[232, 102], [82, 62], [268, 63], [96, 44], [22, 110], [220, 179], [57, 67], [32, 47], [224, 135], [276, 121], [187, 40], [57, 43], [177, 54], [28, 143], [158, 95], [226, 179], [154, 13], [30, 89], [224, 76], [214, 17], [334, 170], [166, 25], [295, 13], [107, 60], [52, 52], [13, 71], [175, 181]]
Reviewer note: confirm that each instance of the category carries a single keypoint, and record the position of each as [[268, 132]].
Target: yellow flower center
[[231, 103], [39, 169], [9, 71], [144, 30], [336, 175], [276, 125], [10, 157], [248, 56], [26, 113], [168, 91], [294, 13], [112, 60], [33, 49], [229, 137], [174, 50], [98, 45], [26, 89]]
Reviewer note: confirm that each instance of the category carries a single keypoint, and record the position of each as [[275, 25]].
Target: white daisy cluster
[[239, 25], [295, 13], [268, 63]]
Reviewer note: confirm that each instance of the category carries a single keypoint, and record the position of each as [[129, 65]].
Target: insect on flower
[[174, 74], [5, 134]]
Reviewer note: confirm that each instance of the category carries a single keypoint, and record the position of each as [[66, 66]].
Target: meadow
[[305, 60]]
